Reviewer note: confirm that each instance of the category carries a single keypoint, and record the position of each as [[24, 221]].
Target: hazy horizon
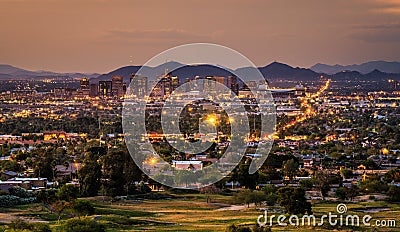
[[97, 36], [113, 69]]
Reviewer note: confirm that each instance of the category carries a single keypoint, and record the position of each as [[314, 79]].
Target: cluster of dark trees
[[82, 124]]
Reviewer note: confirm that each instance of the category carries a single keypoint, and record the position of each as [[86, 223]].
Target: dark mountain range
[[383, 66], [8, 69], [8, 72], [271, 72], [375, 75], [277, 70]]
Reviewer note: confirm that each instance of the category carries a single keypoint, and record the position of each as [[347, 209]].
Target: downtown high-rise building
[[118, 86], [84, 84], [83, 90], [93, 90], [169, 84], [138, 86], [210, 84], [105, 88], [233, 84]]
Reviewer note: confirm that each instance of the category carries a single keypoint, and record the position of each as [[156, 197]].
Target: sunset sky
[[101, 35]]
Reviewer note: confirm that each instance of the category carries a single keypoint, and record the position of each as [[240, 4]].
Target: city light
[[212, 119]]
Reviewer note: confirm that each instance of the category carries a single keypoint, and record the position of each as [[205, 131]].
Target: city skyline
[[48, 35]]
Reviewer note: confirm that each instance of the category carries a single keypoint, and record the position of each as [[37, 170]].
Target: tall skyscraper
[[84, 84], [169, 84], [233, 84], [84, 88], [210, 84], [105, 88], [94, 90], [131, 77], [118, 86], [220, 80], [139, 86]]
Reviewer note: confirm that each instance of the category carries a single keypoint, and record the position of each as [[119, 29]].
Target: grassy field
[[190, 212]]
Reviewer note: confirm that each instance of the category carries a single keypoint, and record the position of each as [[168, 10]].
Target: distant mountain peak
[[364, 68], [276, 63], [11, 72]]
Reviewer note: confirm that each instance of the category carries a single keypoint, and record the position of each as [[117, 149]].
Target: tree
[[392, 175], [271, 198], [184, 177], [306, 184], [82, 207], [255, 228], [270, 194], [68, 192], [346, 173], [341, 193], [235, 228], [241, 174], [257, 197], [352, 192], [119, 171], [59, 207], [90, 175], [394, 193], [44, 163], [11, 165], [293, 200], [290, 168], [243, 197], [373, 186], [46, 196], [247, 196], [269, 189], [322, 183]]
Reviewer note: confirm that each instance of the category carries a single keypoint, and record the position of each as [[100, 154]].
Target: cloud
[[377, 33], [378, 26], [159, 34], [387, 6]]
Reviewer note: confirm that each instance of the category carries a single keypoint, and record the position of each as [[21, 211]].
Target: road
[[306, 103]]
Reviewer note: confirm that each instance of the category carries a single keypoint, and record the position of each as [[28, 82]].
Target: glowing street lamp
[[385, 151]]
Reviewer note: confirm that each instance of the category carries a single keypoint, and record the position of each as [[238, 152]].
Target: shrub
[[46, 196], [269, 189], [40, 227], [81, 225], [10, 200], [394, 194], [256, 228], [341, 193], [19, 224], [20, 192], [83, 207], [271, 199]]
